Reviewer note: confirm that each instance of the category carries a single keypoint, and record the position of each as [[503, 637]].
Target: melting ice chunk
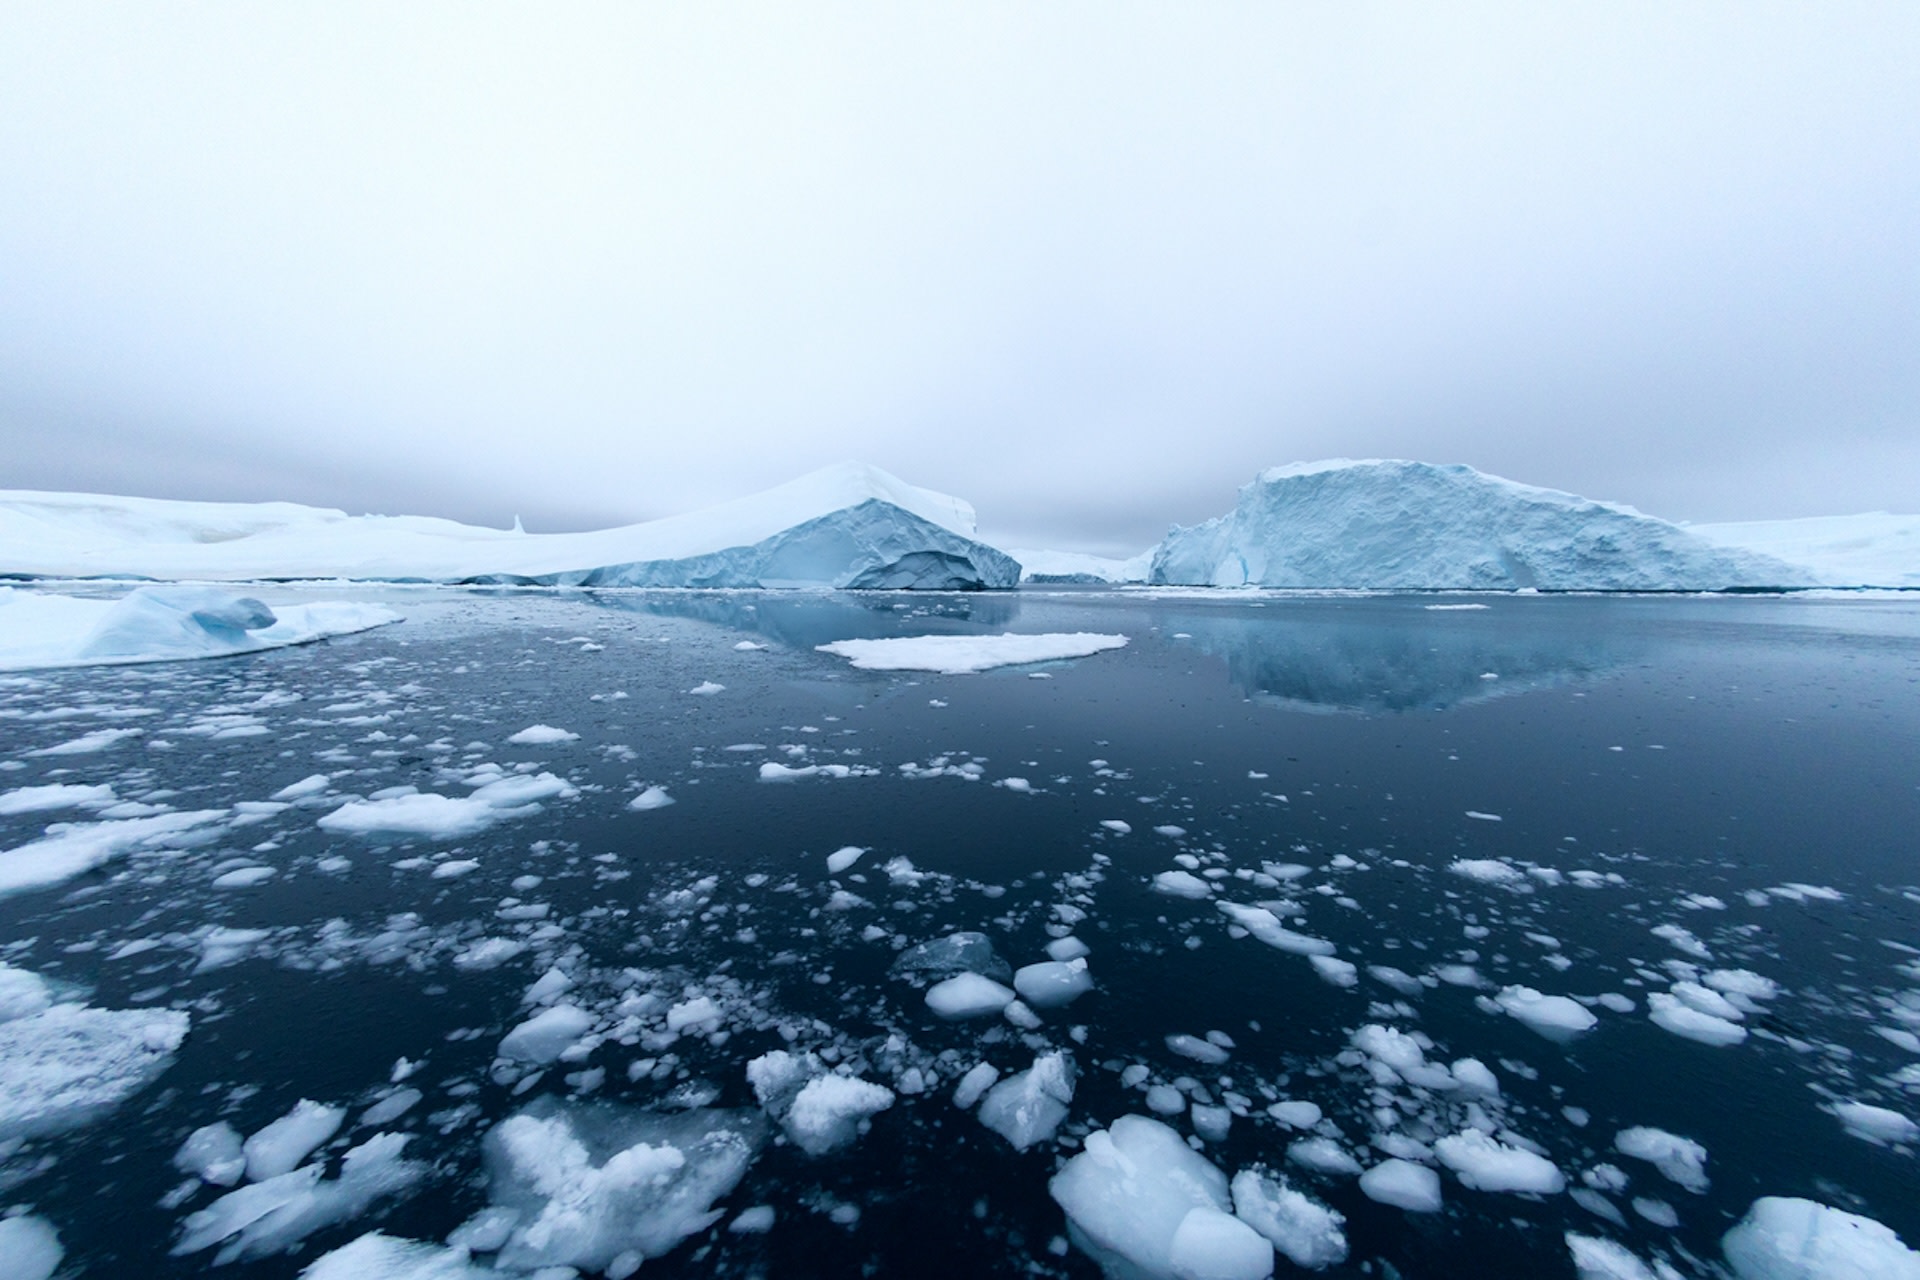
[[1028, 1107]]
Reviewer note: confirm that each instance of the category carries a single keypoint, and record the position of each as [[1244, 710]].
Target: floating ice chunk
[[1487, 870], [1028, 1107], [1210, 1122], [87, 743], [1474, 1076], [1117, 826], [1783, 1238], [1309, 1233], [707, 688], [1130, 1189], [748, 646], [1742, 982], [1340, 973], [548, 987], [212, 1153], [1399, 979], [265, 1218], [960, 655], [391, 1107], [54, 795], [22, 993], [72, 849], [1874, 1124], [1265, 926], [602, 1187], [840, 859], [221, 946], [1165, 1100], [246, 877], [1708, 1001], [1483, 817], [755, 1221], [541, 1038], [1558, 1018], [1197, 1049], [1212, 1245], [965, 952], [487, 953], [1404, 1185], [973, 1084], [1053, 983], [281, 1146], [69, 1064], [651, 798], [1296, 1114], [1670, 1013], [540, 735], [29, 1248], [1485, 1164], [1682, 1160], [375, 1256], [968, 995], [1182, 884], [1015, 784], [1323, 1155], [1067, 948], [697, 1014], [312, 785], [1683, 939], [1598, 1259], [828, 1111], [429, 815]]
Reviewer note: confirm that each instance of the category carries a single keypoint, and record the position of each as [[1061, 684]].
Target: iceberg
[[1870, 550], [850, 525], [1415, 526], [1042, 566], [163, 624]]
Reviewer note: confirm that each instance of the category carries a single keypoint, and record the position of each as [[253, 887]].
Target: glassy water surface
[[1694, 819]]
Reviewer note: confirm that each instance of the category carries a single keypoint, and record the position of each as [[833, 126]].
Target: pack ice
[[1394, 525], [843, 526], [163, 624]]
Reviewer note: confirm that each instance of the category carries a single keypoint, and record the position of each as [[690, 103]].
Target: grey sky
[[1088, 265]]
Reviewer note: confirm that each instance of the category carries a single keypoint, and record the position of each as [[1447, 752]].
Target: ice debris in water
[[1266, 926], [1182, 884], [377, 1256], [1487, 870], [1672, 1013], [843, 858], [1028, 1107], [1483, 1163], [67, 1064], [1558, 1018], [1053, 983], [1404, 1185], [1784, 1238], [541, 735], [497, 797], [1141, 1203], [1309, 1233], [1877, 1125], [603, 1187], [651, 798], [69, 849], [29, 1248], [1681, 1160], [968, 995], [956, 953], [543, 1037], [1598, 1259], [274, 1215], [213, 1154], [819, 1111]]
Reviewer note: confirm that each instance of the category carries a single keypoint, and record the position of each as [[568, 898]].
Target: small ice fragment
[[967, 995], [540, 735], [281, 1146], [29, 1248], [1309, 1233], [1682, 1160], [1296, 1114], [213, 1154], [1182, 884], [1403, 1185], [706, 688], [1877, 1125], [1340, 973], [1670, 1013], [1485, 1164], [1117, 826], [651, 798], [1323, 1155], [1784, 1238], [1028, 1107], [1053, 983], [1067, 948], [1483, 817], [760, 1218], [1558, 1018], [840, 859], [541, 1039], [1197, 1049], [973, 1084]]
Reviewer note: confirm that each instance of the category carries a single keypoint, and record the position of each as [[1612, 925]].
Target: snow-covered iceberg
[[163, 624], [1393, 525], [843, 526], [1870, 550]]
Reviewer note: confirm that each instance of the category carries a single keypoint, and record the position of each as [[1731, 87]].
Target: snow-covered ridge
[[843, 526], [1396, 525]]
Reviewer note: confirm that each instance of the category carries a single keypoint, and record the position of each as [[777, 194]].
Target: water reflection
[[802, 620], [1397, 654]]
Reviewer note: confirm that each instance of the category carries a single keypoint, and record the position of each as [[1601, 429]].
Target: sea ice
[[54, 795], [1181, 884], [213, 1154], [1266, 926], [1671, 1013], [1598, 1259], [273, 1216], [973, 1084], [375, 1256], [71, 849], [603, 1187], [66, 1065], [1323, 1155], [1028, 1107], [282, 1146], [1783, 1238], [1873, 1124], [842, 859], [540, 735], [829, 1110], [964, 952], [542, 1038], [1053, 983], [1404, 1185], [962, 655], [1485, 1164], [1309, 1233], [1558, 1018], [429, 815], [1682, 1160], [967, 995]]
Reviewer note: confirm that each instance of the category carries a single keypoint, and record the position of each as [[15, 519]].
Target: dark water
[[1715, 747]]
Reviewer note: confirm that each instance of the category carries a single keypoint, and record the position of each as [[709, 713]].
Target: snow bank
[[963, 655], [1871, 550], [1140, 1202], [1791, 1239], [843, 526], [1394, 525], [162, 624], [603, 1187]]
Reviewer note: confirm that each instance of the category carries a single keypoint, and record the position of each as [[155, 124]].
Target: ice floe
[[961, 655]]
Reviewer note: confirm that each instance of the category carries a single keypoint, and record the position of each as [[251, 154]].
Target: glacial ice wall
[[1393, 525]]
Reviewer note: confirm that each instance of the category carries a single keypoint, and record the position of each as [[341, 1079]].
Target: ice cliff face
[[843, 526], [1391, 525]]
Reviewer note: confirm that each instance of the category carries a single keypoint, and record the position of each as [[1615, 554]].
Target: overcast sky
[[1090, 266]]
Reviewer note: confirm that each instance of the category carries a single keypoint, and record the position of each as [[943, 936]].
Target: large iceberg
[[1871, 550], [1392, 525], [849, 526]]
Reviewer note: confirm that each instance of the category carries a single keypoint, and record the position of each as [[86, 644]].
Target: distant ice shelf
[[1076, 566], [850, 526]]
